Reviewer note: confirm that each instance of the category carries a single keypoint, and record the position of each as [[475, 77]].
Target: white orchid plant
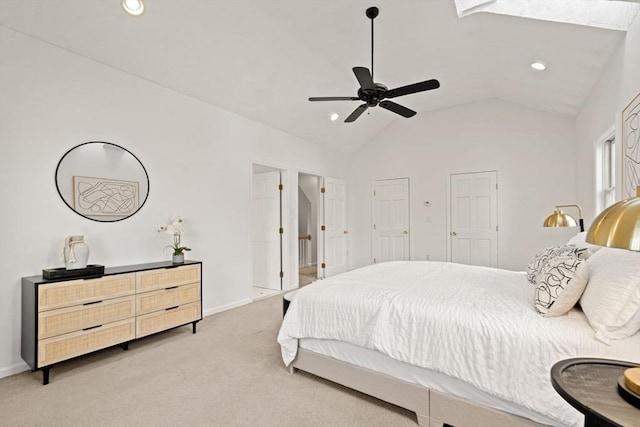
[[175, 228]]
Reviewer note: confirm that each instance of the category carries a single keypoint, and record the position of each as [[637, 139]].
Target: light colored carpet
[[307, 275], [229, 374]]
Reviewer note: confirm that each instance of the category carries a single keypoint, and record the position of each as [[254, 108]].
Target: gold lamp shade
[[559, 219], [618, 226]]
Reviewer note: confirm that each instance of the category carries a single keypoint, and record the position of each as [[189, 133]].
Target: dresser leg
[[45, 376], [124, 346], [194, 326]]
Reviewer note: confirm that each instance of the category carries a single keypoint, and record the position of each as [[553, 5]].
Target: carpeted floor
[[307, 275], [229, 374]]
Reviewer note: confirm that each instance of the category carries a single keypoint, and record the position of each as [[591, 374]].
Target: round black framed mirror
[[102, 181]]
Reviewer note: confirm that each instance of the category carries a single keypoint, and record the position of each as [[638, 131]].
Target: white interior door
[[474, 218], [335, 223], [391, 220], [265, 230]]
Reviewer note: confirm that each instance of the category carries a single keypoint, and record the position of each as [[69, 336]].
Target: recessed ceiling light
[[537, 65], [133, 7], [334, 117]]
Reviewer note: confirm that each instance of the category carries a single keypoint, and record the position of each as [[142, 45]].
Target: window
[[607, 179]]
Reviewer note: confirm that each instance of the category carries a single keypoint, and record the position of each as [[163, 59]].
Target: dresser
[[63, 319]]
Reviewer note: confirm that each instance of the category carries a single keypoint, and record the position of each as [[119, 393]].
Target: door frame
[[319, 218], [373, 213], [448, 213], [285, 222]]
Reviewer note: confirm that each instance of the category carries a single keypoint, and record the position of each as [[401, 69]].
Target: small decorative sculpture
[[75, 252]]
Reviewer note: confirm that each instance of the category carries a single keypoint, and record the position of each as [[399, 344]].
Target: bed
[[459, 345]]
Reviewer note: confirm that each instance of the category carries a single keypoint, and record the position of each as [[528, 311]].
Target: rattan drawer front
[[74, 292], [165, 319], [70, 319], [163, 278], [62, 347], [165, 298]]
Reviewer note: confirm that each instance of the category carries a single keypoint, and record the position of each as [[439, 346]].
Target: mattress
[[476, 325]]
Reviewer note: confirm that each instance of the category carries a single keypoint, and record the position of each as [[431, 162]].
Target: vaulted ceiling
[[263, 59]]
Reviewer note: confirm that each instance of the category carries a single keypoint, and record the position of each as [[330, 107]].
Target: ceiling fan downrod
[[372, 12]]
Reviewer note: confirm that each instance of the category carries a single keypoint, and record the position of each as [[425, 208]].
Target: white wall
[[617, 86], [532, 151], [198, 158]]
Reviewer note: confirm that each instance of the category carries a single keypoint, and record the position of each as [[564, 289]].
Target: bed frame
[[432, 408]]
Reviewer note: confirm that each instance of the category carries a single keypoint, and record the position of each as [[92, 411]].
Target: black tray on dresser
[[63, 273]]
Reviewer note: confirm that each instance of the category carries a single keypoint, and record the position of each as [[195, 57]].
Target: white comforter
[[476, 324]]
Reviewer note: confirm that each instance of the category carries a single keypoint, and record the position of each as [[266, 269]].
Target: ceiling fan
[[374, 94]]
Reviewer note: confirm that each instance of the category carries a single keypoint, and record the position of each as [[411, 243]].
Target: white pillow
[[580, 241], [611, 300], [560, 285]]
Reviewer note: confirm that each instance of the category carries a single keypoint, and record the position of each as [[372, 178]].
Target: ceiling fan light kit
[[376, 94]]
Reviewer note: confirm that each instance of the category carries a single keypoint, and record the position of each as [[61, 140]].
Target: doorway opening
[[268, 240], [309, 222]]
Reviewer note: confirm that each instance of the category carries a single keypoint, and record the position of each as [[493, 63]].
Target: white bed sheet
[[475, 324]]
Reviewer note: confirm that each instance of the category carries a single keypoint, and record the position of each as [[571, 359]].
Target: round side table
[[591, 386]]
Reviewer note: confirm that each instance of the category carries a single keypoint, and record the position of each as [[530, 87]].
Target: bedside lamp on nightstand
[[618, 226], [561, 219]]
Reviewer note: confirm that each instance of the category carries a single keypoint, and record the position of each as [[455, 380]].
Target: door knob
[[405, 232], [453, 233]]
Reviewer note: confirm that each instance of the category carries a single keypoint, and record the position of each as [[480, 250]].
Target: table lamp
[[561, 219], [618, 226]]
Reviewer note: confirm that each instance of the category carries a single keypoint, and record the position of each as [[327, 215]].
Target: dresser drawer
[[62, 347], [165, 319], [166, 298], [75, 318], [163, 278], [74, 292]]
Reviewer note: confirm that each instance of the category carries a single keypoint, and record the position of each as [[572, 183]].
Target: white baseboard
[[14, 369], [210, 311]]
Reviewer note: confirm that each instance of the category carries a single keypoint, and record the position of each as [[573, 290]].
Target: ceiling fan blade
[[364, 78], [413, 88], [356, 113], [334, 98], [397, 108]]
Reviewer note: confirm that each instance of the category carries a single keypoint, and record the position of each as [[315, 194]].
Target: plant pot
[[178, 259]]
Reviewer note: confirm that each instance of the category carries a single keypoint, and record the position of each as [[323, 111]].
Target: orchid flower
[[176, 229]]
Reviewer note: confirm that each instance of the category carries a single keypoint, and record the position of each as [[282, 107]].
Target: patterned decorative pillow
[[540, 259], [560, 284], [580, 241]]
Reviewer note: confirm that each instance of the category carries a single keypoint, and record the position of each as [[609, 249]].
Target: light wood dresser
[[67, 318]]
